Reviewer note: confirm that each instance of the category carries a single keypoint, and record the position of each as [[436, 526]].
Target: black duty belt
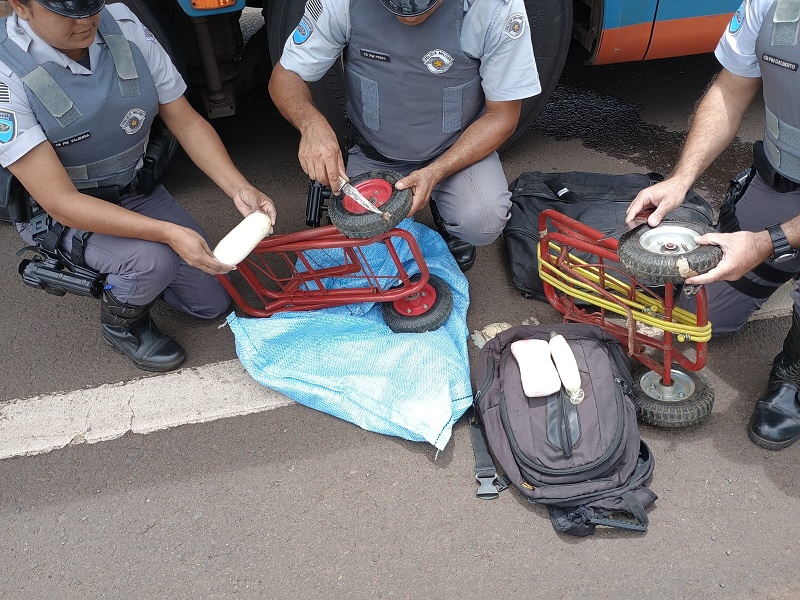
[[768, 173]]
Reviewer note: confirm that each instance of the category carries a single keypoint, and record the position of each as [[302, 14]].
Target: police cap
[[75, 9], [409, 8]]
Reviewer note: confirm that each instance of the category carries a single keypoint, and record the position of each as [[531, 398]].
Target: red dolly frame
[[302, 290], [570, 234]]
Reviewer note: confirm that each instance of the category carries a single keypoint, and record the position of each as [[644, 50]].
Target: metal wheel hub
[[377, 191], [669, 239], [682, 387], [416, 304]]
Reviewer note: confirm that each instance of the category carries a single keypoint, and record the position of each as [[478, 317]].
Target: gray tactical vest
[[97, 123], [411, 91], [779, 57]]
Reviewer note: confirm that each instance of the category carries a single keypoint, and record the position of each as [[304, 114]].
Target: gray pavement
[[292, 503]]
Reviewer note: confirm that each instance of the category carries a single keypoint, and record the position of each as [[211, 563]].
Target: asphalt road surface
[[293, 503]]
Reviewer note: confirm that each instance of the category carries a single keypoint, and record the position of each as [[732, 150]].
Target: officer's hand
[[742, 251], [249, 200], [321, 158], [421, 184], [663, 196], [191, 247]]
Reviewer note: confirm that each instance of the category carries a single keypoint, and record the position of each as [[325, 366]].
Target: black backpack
[[598, 200], [586, 461]]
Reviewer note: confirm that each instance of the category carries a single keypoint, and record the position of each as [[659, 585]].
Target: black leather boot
[[775, 423], [131, 331], [462, 251]]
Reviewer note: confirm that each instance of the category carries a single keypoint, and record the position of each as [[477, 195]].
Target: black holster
[[14, 199], [727, 211], [156, 158]]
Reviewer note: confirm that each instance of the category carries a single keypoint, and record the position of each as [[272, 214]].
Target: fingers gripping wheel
[[427, 310], [667, 253], [355, 221]]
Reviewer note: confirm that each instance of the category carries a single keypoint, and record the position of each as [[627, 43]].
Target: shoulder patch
[[8, 126], [737, 20], [515, 26], [148, 34], [5, 93], [303, 31]]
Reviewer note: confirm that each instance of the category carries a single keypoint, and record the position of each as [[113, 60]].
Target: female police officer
[[80, 85]]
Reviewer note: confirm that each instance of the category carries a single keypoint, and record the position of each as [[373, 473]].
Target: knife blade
[[617, 232], [351, 191]]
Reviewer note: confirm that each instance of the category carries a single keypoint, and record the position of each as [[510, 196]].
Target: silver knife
[[351, 191]]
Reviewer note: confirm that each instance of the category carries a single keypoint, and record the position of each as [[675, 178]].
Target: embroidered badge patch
[[774, 60], [437, 61], [737, 21], [148, 35], [515, 26], [133, 121], [303, 31], [8, 126]]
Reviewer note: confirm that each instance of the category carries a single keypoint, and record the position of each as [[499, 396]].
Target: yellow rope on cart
[[645, 308]]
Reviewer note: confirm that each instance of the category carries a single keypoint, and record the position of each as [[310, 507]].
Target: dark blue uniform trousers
[[139, 271]]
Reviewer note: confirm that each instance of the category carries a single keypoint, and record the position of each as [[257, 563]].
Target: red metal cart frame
[[601, 283], [304, 287]]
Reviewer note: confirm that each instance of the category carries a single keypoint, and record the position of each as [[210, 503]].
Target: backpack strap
[[485, 472], [636, 509]]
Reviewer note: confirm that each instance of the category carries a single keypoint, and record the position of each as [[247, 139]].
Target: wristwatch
[[782, 251]]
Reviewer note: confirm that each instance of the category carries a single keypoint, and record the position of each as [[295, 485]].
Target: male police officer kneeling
[[80, 85], [762, 228], [434, 87]]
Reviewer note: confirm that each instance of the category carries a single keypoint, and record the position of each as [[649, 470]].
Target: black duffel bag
[[598, 200]]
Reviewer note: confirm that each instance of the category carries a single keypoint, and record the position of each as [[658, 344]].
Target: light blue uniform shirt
[[495, 32], [736, 50], [29, 134]]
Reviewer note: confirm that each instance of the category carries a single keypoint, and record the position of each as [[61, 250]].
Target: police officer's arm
[[485, 135], [716, 121], [202, 144], [58, 196], [319, 152]]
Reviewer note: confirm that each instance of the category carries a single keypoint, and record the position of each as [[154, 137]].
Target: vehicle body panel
[[186, 5], [652, 29]]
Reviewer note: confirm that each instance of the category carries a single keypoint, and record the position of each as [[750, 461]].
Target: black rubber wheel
[[667, 253], [416, 314], [688, 401], [551, 34], [328, 94], [550, 30], [355, 221]]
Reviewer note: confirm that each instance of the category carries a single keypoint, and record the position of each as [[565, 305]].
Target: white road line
[[49, 422]]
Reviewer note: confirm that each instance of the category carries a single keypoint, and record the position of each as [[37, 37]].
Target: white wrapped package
[[537, 371], [234, 247], [567, 367]]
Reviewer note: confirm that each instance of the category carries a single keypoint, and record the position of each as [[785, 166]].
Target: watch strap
[[780, 245]]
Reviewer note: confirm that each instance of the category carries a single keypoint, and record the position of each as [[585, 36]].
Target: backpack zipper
[[521, 457], [523, 231], [487, 383], [566, 440]]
